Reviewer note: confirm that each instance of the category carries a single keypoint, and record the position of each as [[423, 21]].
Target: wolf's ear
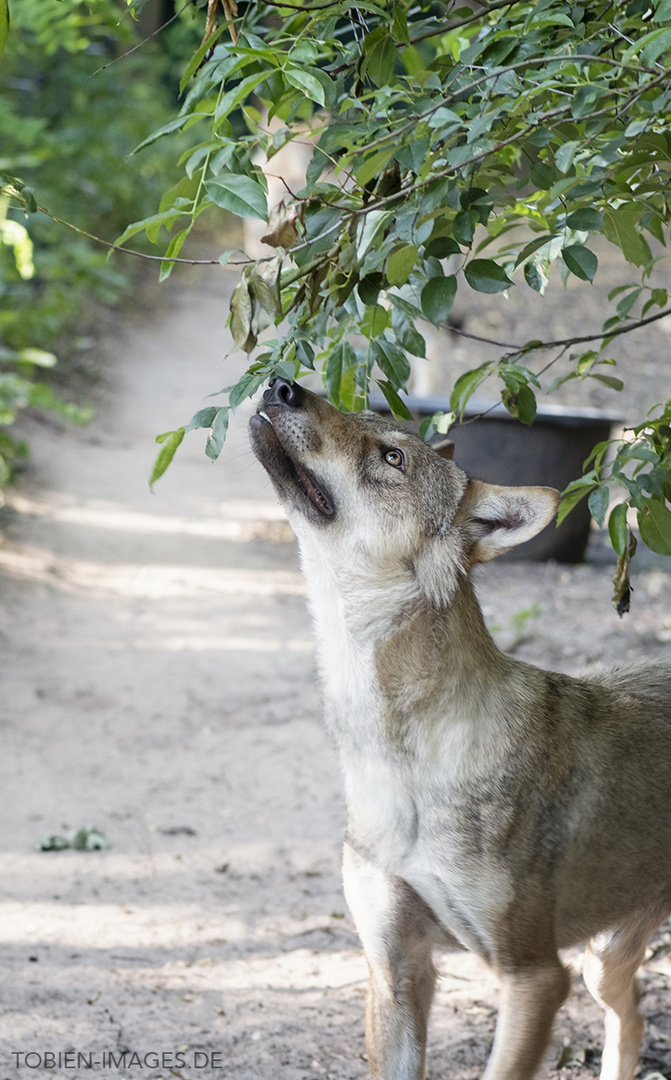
[[496, 519], [445, 448]]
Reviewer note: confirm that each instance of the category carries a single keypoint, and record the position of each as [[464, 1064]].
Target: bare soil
[[158, 682]]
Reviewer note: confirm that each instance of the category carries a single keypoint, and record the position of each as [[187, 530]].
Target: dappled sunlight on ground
[[239, 519], [132, 580]]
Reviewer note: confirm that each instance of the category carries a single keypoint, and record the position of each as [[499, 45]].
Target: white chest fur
[[389, 792], [351, 616]]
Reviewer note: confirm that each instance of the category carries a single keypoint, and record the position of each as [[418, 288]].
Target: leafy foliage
[[51, 150], [475, 148]]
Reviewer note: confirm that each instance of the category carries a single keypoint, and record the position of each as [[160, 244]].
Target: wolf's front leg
[[530, 998], [396, 930]]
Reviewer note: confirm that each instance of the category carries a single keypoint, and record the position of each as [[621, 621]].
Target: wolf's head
[[360, 484]]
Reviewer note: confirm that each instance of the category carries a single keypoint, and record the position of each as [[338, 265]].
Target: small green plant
[[517, 628]]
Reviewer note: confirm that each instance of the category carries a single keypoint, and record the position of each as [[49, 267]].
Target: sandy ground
[[158, 683]]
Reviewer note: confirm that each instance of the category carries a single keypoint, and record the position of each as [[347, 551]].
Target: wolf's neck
[[387, 656]]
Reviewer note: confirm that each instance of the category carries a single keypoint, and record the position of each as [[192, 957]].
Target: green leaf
[[400, 264], [585, 220], [439, 423], [339, 360], [533, 277], [464, 227], [167, 218], [626, 304], [617, 528], [369, 288], [305, 354], [351, 396], [640, 453], [542, 175], [375, 321], [401, 304], [400, 26], [371, 229], [656, 43], [407, 335], [486, 276], [437, 298], [441, 247], [204, 418], [238, 94], [654, 523], [564, 156], [303, 79], [392, 362], [199, 56], [526, 405], [176, 124], [217, 436], [413, 62], [607, 380], [581, 261], [571, 497], [380, 58], [585, 99], [246, 385], [598, 504], [374, 165], [239, 194], [4, 24], [399, 409], [662, 11], [465, 386], [171, 440], [619, 226], [172, 252], [533, 246]]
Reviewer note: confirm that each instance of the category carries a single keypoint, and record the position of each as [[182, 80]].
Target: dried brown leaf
[[241, 316], [264, 287], [623, 587], [282, 229]]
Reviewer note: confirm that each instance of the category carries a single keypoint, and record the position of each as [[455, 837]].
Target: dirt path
[[157, 673]]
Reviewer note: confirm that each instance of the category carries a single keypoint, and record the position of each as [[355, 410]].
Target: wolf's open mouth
[[313, 492], [304, 480]]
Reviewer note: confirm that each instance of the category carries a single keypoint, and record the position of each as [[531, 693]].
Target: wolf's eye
[[395, 458]]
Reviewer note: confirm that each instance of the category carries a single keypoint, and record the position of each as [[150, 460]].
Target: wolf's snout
[[282, 392]]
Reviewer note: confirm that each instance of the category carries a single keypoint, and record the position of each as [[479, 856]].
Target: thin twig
[[301, 7], [138, 254], [457, 23], [562, 342], [141, 43]]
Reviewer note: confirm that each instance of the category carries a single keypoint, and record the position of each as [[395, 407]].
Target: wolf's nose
[[282, 392]]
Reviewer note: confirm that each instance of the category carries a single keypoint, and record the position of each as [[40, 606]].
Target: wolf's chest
[[407, 833]]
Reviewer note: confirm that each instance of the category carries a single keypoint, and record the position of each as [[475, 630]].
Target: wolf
[[511, 810]]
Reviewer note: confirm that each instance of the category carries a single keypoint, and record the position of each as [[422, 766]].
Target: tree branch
[[131, 251], [565, 343]]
